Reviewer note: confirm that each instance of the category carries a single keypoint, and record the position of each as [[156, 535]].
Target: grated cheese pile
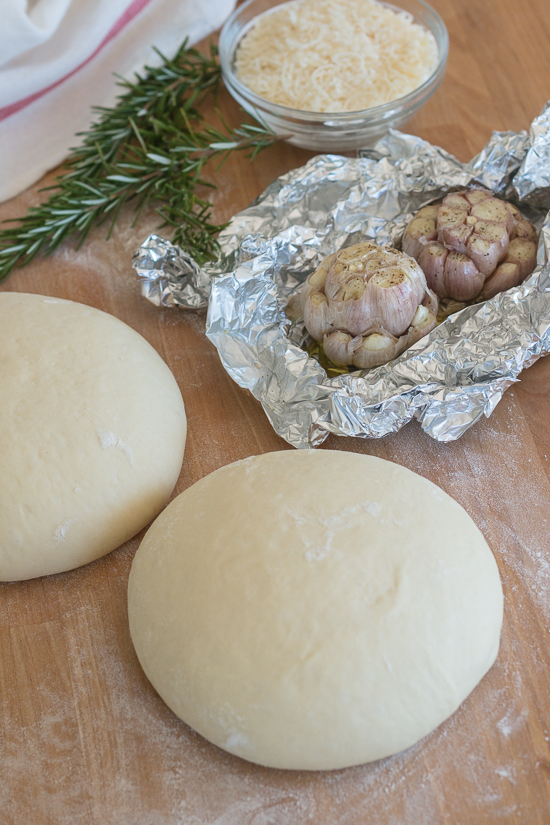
[[335, 55]]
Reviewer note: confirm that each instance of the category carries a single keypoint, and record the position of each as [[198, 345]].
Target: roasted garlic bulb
[[471, 245], [366, 304]]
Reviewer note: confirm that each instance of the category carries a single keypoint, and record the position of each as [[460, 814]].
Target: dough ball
[[314, 609], [92, 431]]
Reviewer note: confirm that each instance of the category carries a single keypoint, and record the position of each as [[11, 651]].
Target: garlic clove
[[514, 211], [367, 356], [492, 209], [456, 237], [456, 199], [392, 308], [376, 342], [474, 196], [396, 292], [317, 315], [316, 280], [422, 316], [523, 253], [425, 325], [374, 348], [389, 276], [432, 261], [352, 290], [526, 230], [346, 265], [450, 216], [463, 281], [491, 230], [485, 254], [339, 347], [495, 233], [504, 277], [429, 211], [355, 253], [419, 232], [416, 333]]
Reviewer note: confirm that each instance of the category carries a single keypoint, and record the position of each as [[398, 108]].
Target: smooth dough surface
[[92, 432], [314, 609]]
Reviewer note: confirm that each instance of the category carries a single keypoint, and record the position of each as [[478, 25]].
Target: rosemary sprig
[[150, 148]]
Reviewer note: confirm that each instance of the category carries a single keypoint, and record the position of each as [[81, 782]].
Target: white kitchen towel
[[58, 58]]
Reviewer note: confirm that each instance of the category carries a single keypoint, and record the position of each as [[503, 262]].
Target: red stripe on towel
[[128, 15]]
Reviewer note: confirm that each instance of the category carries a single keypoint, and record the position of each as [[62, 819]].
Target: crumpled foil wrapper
[[448, 379]]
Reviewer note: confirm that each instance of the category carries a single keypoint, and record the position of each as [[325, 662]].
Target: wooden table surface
[[83, 736]]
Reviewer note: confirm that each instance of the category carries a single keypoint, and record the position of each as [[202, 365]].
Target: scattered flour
[[103, 748], [109, 439], [511, 722], [236, 740], [60, 532], [506, 773], [331, 525]]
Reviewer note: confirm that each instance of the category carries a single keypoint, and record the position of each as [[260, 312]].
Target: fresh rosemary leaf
[[150, 148]]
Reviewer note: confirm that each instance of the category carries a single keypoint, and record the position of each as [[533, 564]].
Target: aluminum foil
[[447, 380]]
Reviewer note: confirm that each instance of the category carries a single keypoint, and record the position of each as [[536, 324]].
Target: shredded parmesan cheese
[[335, 55]]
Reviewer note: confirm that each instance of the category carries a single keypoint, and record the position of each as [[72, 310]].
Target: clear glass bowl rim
[[228, 45]]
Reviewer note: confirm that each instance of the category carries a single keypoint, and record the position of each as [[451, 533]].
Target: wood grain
[[83, 736]]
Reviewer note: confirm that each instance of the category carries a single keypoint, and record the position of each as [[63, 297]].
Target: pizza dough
[[314, 609], [92, 431]]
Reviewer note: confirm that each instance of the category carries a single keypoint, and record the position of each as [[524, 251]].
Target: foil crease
[[447, 380]]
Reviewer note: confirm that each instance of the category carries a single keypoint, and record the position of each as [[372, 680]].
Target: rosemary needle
[[151, 147]]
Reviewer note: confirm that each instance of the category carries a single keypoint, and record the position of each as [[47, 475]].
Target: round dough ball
[[314, 609], [92, 431]]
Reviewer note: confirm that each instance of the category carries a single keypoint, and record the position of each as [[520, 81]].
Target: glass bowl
[[322, 131]]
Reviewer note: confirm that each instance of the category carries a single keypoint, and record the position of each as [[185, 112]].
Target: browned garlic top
[[367, 303], [471, 245]]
